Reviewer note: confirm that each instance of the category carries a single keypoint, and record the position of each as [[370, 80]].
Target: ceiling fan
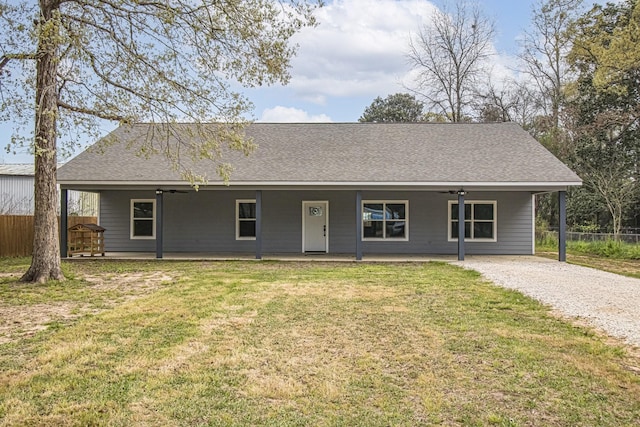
[[454, 192], [172, 191]]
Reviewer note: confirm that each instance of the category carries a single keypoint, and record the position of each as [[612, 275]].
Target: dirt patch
[[23, 321], [130, 285], [19, 321], [337, 290]]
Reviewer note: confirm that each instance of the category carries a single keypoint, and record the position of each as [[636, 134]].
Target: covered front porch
[[200, 225]]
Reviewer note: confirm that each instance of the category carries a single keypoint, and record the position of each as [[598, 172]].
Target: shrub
[[546, 239], [588, 228], [605, 248]]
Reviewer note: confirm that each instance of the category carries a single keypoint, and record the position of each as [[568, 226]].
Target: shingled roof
[[345, 154]]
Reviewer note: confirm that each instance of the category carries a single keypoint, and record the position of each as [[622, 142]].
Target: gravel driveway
[[607, 301]]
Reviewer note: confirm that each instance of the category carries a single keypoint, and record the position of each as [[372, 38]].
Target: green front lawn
[[298, 344]]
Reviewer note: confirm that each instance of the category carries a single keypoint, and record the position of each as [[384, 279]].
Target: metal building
[[16, 193]]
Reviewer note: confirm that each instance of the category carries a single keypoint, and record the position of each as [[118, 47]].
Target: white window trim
[[153, 220], [387, 239], [238, 201], [471, 202]]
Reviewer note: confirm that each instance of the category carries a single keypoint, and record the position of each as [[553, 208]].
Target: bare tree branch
[[450, 54], [545, 48]]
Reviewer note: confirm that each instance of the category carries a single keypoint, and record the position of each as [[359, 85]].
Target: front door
[[315, 226]]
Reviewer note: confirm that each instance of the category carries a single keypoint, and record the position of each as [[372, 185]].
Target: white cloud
[[356, 53], [357, 49], [281, 114]]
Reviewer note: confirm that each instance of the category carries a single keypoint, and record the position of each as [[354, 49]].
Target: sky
[[358, 52], [355, 54]]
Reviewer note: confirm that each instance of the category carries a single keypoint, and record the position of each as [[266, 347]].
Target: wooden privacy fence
[[16, 233]]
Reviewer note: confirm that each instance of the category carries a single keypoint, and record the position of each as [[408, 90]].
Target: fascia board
[[540, 187]]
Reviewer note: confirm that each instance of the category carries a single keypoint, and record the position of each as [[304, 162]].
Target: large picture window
[[245, 219], [143, 219], [385, 220], [480, 219]]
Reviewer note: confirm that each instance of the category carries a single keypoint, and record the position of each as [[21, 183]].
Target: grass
[[613, 256], [296, 344], [615, 249]]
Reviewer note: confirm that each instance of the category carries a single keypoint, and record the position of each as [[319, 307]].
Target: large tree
[[544, 66], [450, 55], [399, 107], [543, 59], [82, 61], [614, 46], [605, 105]]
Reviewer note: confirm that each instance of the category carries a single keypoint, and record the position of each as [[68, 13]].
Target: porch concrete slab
[[198, 256]]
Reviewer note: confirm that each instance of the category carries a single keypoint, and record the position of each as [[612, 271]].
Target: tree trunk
[[616, 214], [45, 263]]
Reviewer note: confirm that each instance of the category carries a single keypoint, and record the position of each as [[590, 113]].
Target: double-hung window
[[245, 219], [143, 219], [385, 220], [480, 219]]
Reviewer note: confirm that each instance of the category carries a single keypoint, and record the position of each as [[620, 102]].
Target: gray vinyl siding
[[428, 224], [515, 226], [204, 221], [201, 221], [282, 227], [115, 209]]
